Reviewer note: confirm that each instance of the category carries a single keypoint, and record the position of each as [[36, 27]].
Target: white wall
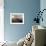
[[43, 6], [1, 20]]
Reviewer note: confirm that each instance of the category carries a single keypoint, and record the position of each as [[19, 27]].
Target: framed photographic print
[[16, 18]]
